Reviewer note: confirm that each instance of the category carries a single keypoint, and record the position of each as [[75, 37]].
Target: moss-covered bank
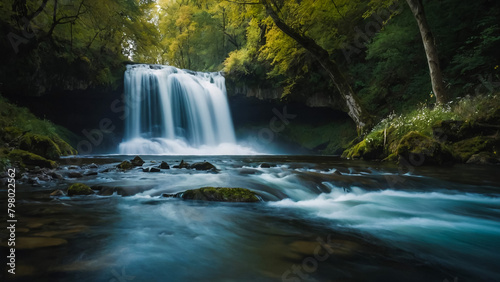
[[27, 141], [464, 131]]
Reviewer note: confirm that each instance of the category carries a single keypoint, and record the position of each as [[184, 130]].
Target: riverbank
[[27, 141], [462, 131]]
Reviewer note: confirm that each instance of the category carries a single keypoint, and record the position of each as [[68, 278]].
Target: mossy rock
[[125, 165], [64, 147], [368, 149], [464, 149], [419, 149], [79, 189], [40, 145], [30, 159], [219, 194], [483, 158], [10, 133], [448, 130], [164, 165]]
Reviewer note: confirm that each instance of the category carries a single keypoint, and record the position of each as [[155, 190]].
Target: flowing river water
[[320, 219]]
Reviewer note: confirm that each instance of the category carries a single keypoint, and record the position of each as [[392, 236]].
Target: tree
[[429, 42], [354, 108]]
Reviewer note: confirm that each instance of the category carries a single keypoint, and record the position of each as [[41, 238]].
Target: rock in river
[[221, 194], [137, 161], [203, 166], [79, 189], [182, 165], [125, 165], [164, 165]]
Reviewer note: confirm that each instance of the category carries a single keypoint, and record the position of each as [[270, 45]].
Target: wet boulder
[[220, 194], [151, 169], [125, 165], [203, 166], [79, 189], [483, 158], [57, 193], [164, 165], [182, 165], [137, 161], [75, 174]]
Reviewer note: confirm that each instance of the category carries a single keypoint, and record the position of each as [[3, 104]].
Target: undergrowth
[[422, 119]]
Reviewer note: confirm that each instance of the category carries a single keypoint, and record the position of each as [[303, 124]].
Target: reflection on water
[[322, 219]]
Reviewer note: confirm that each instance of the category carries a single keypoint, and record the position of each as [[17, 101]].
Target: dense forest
[[366, 57], [250, 140]]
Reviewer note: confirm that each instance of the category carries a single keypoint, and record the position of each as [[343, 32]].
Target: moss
[[125, 165], [368, 149], [356, 151], [64, 147], [422, 149], [464, 149], [10, 133], [79, 189], [30, 159], [40, 145], [219, 194]]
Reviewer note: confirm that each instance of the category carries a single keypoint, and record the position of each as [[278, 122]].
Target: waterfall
[[174, 111]]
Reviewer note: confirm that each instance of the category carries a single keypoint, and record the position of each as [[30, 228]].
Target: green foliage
[[420, 120], [413, 132], [17, 120], [75, 44]]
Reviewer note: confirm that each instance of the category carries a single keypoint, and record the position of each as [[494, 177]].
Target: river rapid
[[321, 218]]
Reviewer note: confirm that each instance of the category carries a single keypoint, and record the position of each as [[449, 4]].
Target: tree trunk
[[353, 107], [438, 87]]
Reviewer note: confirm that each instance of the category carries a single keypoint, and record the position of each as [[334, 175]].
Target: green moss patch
[[219, 194], [79, 189], [125, 165], [464, 149], [422, 149], [30, 159]]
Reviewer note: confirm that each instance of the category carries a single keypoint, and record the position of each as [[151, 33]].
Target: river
[[321, 218]]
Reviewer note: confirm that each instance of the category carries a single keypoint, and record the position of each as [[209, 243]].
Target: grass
[[20, 117], [422, 119]]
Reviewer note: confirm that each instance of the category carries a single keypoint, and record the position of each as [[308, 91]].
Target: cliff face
[[315, 99]]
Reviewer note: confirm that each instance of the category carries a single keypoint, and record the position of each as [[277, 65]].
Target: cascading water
[[174, 111]]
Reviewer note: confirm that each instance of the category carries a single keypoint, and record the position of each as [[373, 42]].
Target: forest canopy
[[375, 45]]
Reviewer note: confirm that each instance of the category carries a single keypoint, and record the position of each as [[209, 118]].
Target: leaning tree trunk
[[354, 108], [438, 88]]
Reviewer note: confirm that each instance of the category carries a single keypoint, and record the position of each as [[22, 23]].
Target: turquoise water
[[314, 223]]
